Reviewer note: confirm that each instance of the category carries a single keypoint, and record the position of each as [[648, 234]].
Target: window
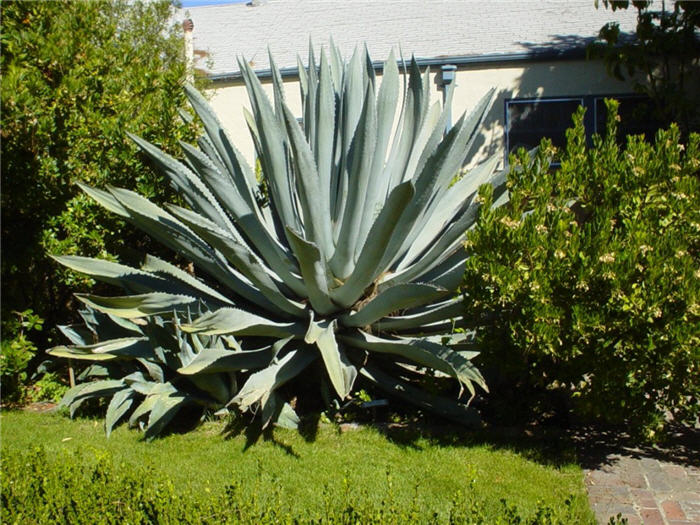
[[528, 120], [635, 116]]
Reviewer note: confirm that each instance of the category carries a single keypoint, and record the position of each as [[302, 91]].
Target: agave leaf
[[276, 255], [315, 211], [441, 248], [412, 321], [166, 228], [275, 375], [359, 170], [303, 79], [449, 278], [277, 411], [130, 347], [391, 300], [215, 386], [212, 360], [210, 151], [445, 407], [154, 370], [71, 353], [351, 96], [427, 137], [158, 390], [77, 335], [134, 306], [341, 372], [79, 393], [446, 158], [309, 103], [209, 171], [336, 62], [314, 271], [445, 210], [113, 273], [240, 322], [118, 406], [162, 412], [273, 143], [240, 173], [140, 384], [105, 199], [386, 109], [96, 370], [369, 263], [162, 268], [173, 233], [243, 259], [104, 326], [277, 85], [325, 139], [437, 121], [144, 408], [409, 124], [187, 183], [424, 353]]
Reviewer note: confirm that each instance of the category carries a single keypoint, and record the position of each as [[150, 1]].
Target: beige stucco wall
[[526, 80]]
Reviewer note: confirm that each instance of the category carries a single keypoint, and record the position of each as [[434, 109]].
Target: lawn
[[304, 475]]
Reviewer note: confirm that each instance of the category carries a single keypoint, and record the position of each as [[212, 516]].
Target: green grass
[[302, 474]]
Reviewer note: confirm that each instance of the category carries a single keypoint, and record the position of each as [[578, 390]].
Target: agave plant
[[351, 264]]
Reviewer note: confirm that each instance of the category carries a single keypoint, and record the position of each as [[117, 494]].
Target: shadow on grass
[[547, 445], [253, 432]]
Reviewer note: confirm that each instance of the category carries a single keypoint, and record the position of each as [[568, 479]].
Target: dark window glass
[[636, 117], [531, 120]]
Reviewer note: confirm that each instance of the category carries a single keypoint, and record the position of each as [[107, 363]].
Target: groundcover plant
[[348, 263]]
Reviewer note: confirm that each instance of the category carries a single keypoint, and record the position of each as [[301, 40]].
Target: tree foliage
[[591, 278], [662, 58], [75, 76]]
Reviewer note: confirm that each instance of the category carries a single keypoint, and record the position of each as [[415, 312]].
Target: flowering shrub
[[591, 277]]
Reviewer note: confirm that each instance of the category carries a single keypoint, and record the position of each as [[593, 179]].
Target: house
[[531, 51]]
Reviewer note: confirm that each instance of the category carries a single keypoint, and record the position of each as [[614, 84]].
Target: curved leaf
[[448, 408], [391, 300], [134, 306], [239, 322]]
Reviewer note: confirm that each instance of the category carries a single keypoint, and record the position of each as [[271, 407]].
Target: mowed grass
[[367, 466]]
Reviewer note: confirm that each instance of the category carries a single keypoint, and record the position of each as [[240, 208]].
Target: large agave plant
[[351, 263]]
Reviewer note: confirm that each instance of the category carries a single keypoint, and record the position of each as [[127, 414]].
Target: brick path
[[652, 486]]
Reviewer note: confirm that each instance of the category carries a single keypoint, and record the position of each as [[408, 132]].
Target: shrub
[[16, 352], [75, 74], [591, 278], [76, 489]]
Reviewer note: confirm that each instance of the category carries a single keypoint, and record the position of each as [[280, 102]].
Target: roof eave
[[457, 60]]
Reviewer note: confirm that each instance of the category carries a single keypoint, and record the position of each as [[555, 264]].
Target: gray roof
[[428, 29]]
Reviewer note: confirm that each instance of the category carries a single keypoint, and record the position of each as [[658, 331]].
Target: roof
[[428, 29]]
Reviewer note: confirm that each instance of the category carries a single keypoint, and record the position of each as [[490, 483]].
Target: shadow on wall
[[567, 73]]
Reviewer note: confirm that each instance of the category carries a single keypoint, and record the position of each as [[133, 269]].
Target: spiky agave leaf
[[353, 266]]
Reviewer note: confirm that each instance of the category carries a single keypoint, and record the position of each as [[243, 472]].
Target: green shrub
[[49, 387], [75, 76], [590, 278], [17, 351], [76, 489]]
